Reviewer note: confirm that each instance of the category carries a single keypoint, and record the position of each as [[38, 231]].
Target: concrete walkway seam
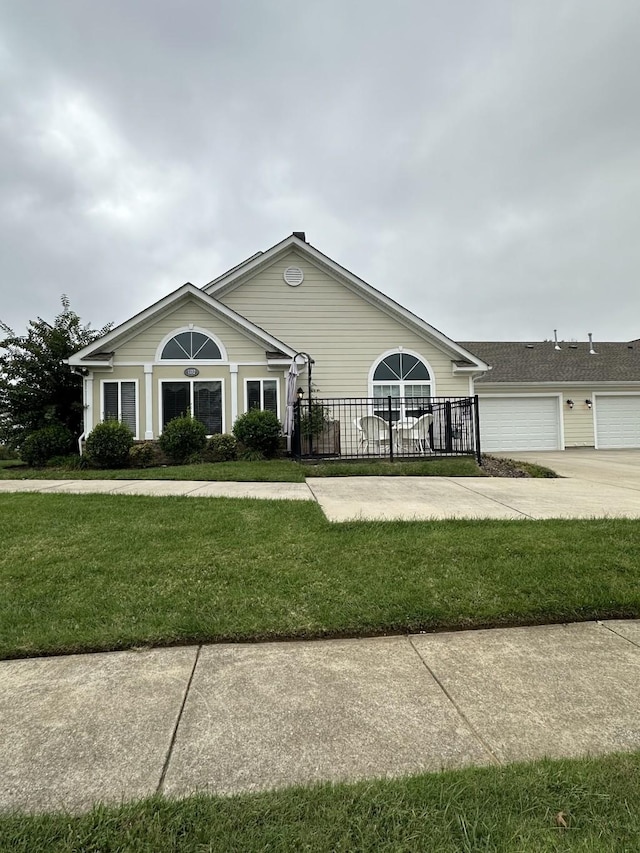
[[495, 500], [172, 742], [617, 633], [455, 705]]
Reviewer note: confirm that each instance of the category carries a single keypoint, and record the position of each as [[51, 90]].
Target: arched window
[[402, 375], [192, 346]]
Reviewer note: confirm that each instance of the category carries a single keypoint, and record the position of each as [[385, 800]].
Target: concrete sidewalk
[[390, 498], [232, 718], [160, 488]]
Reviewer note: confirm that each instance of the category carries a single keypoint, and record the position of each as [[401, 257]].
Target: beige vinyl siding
[[143, 346], [341, 331]]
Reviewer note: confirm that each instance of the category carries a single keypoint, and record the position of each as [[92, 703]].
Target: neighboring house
[[547, 396], [227, 347]]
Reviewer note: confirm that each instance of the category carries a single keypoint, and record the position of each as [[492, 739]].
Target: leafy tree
[[37, 388]]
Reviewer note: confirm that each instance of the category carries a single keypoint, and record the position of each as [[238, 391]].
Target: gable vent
[[293, 276]]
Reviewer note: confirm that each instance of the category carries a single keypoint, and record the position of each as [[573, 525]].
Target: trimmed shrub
[[45, 443], [142, 455], [182, 438], [109, 443], [221, 448], [259, 432], [7, 453]]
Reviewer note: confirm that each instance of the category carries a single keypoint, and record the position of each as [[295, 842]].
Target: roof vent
[[293, 276], [591, 349], [529, 346], [573, 346], [300, 235], [555, 337]]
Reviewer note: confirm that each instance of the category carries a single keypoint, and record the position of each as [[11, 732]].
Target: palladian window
[[401, 375], [192, 346]]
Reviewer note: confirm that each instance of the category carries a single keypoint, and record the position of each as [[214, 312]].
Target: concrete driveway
[[593, 484], [613, 467]]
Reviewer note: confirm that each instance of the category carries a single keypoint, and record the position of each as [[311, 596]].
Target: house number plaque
[[191, 371]]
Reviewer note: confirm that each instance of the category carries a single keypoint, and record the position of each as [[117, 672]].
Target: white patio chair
[[415, 437], [357, 422], [375, 432]]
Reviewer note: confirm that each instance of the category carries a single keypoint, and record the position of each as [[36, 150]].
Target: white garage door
[[618, 421], [519, 423]]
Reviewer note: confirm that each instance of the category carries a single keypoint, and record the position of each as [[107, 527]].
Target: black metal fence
[[387, 427]]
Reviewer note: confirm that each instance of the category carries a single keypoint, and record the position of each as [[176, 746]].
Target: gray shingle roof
[[539, 361]]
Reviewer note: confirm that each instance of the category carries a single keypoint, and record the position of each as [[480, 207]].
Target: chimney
[[591, 349], [300, 235]]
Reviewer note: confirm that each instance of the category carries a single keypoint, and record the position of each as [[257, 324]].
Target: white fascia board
[[135, 323], [564, 383], [359, 285], [469, 368], [94, 365]]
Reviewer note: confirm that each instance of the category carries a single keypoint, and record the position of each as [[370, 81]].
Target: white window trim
[[191, 381], [119, 382], [194, 361], [404, 351], [261, 380]]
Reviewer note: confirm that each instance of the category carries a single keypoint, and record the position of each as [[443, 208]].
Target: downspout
[[81, 371]]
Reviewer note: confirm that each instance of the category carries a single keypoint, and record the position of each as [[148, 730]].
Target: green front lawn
[[520, 808], [274, 470], [89, 572]]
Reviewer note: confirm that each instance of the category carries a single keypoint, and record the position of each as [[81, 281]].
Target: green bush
[[182, 438], [142, 455], [7, 453], [45, 443], [109, 443], [221, 448], [259, 432]]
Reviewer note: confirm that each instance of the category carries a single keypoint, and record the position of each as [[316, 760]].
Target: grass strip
[[585, 806], [272, 470], [98, 572]]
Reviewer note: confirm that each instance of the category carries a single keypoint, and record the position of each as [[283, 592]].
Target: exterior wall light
[[300, 393], [570, 404], [588, 404]]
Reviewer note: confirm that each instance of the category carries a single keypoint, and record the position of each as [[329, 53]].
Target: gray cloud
[[476, 162]]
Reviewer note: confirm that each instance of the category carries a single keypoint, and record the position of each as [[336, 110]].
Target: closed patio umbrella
[[292, 381]]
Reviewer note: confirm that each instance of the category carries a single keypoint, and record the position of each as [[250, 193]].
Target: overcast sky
[[479, 162]]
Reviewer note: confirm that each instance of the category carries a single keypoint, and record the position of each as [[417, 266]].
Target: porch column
[[233, 377], [148, 401]]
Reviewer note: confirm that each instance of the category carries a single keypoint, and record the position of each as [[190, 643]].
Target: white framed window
[[191, 345], [204, 399], [261, 394], [403, 375], [120, 403]]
